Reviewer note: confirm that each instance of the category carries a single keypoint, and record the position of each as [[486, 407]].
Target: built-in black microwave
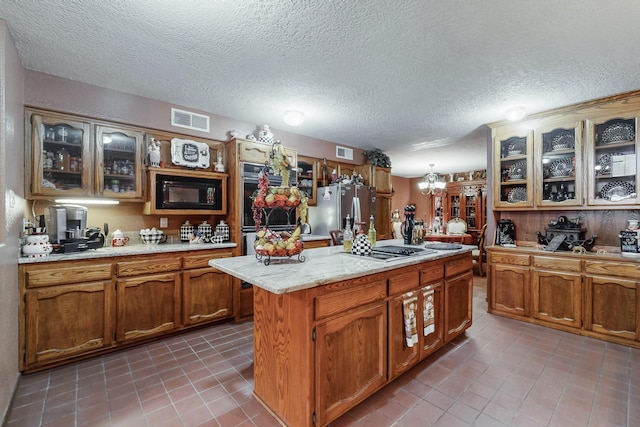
[[186, 192]]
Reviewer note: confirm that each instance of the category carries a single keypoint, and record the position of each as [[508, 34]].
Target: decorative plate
[[191, 154], [517, 194], [618, 132], [617, 190], [516, 148], [518, 170], [563, 141], [561, 167], [604, 163]]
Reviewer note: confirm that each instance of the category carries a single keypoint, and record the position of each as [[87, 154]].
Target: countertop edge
[[328, 267], [128, 250]]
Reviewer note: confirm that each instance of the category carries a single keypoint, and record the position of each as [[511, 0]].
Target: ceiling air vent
[[344, 153], [189, 120]]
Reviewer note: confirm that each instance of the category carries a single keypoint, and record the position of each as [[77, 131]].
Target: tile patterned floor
[[500, 373]]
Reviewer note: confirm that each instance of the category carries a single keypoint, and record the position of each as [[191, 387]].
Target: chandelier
[[431, 183]]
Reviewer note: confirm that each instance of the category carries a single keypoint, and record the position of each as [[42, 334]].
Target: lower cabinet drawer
[[60, 274], [343, 300], [191, 261], [555, 263], [404, 282], [148, 266], [458, 266]]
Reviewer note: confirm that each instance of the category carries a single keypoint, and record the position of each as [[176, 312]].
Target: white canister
[[37, 246], [205, 230], [222, 229], [186, 231]]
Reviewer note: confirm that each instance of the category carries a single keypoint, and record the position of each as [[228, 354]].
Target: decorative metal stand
[[266, 259]]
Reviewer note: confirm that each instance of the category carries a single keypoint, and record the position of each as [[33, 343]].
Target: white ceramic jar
[[186, 231], [37, 246]]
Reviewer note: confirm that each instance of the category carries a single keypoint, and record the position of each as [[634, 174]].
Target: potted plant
[[377, 158]]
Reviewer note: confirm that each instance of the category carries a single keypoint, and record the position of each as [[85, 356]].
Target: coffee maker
[[65, 223], [67, 229]]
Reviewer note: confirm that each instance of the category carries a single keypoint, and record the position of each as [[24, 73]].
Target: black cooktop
[[399, 250]]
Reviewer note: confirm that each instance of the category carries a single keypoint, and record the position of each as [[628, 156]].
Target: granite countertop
[[321, 266], [127, 250]]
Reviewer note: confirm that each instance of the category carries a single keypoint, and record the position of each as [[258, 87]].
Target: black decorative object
[[377, 158], [574, 234], [506, 232], [409, 215]]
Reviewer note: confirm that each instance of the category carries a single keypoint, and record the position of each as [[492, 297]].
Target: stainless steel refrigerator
[[334, 202]]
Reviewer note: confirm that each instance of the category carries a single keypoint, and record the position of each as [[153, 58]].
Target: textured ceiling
[[415, 78]]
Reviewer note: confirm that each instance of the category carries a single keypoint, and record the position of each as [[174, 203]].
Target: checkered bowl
[[153, 237]]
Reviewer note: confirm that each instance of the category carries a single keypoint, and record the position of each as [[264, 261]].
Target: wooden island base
[[320, 351]]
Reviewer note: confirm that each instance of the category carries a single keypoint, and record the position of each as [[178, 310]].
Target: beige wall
[[55, 93], [407, 193], [11, 179]]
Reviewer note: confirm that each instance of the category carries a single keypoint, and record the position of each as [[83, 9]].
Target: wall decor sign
[[191, 154]]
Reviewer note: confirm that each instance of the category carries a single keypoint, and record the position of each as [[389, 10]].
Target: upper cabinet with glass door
[[118, 172], [558, 165], [612, 152], [57, 156], [513, 171]]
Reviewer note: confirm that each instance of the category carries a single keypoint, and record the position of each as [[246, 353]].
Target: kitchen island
[[330, 331]]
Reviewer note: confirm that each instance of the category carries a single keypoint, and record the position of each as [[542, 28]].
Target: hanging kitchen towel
[[428, 311], [409, 304]]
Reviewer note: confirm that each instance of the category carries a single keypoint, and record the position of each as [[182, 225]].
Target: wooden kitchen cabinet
[[79, 297], [82, 322], [556, 287], [378, 177], [258, 152], [207, 293], [118, 162], [307, 178], [351, 357], [71, 310], [587, 294], [427, 285], [147, 306], [509, 292], [52, 141], [458, 296], [558, 167], [383, 217], [613, 160], [513, 168], [584, 157], [324, 170], [612, 300], [64, 159]]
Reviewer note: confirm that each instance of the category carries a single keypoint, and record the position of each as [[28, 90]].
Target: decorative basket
[[153, 237]]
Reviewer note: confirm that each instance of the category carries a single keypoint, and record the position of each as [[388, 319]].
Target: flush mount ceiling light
[[431, 183], [293, 117], [515, 113]]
